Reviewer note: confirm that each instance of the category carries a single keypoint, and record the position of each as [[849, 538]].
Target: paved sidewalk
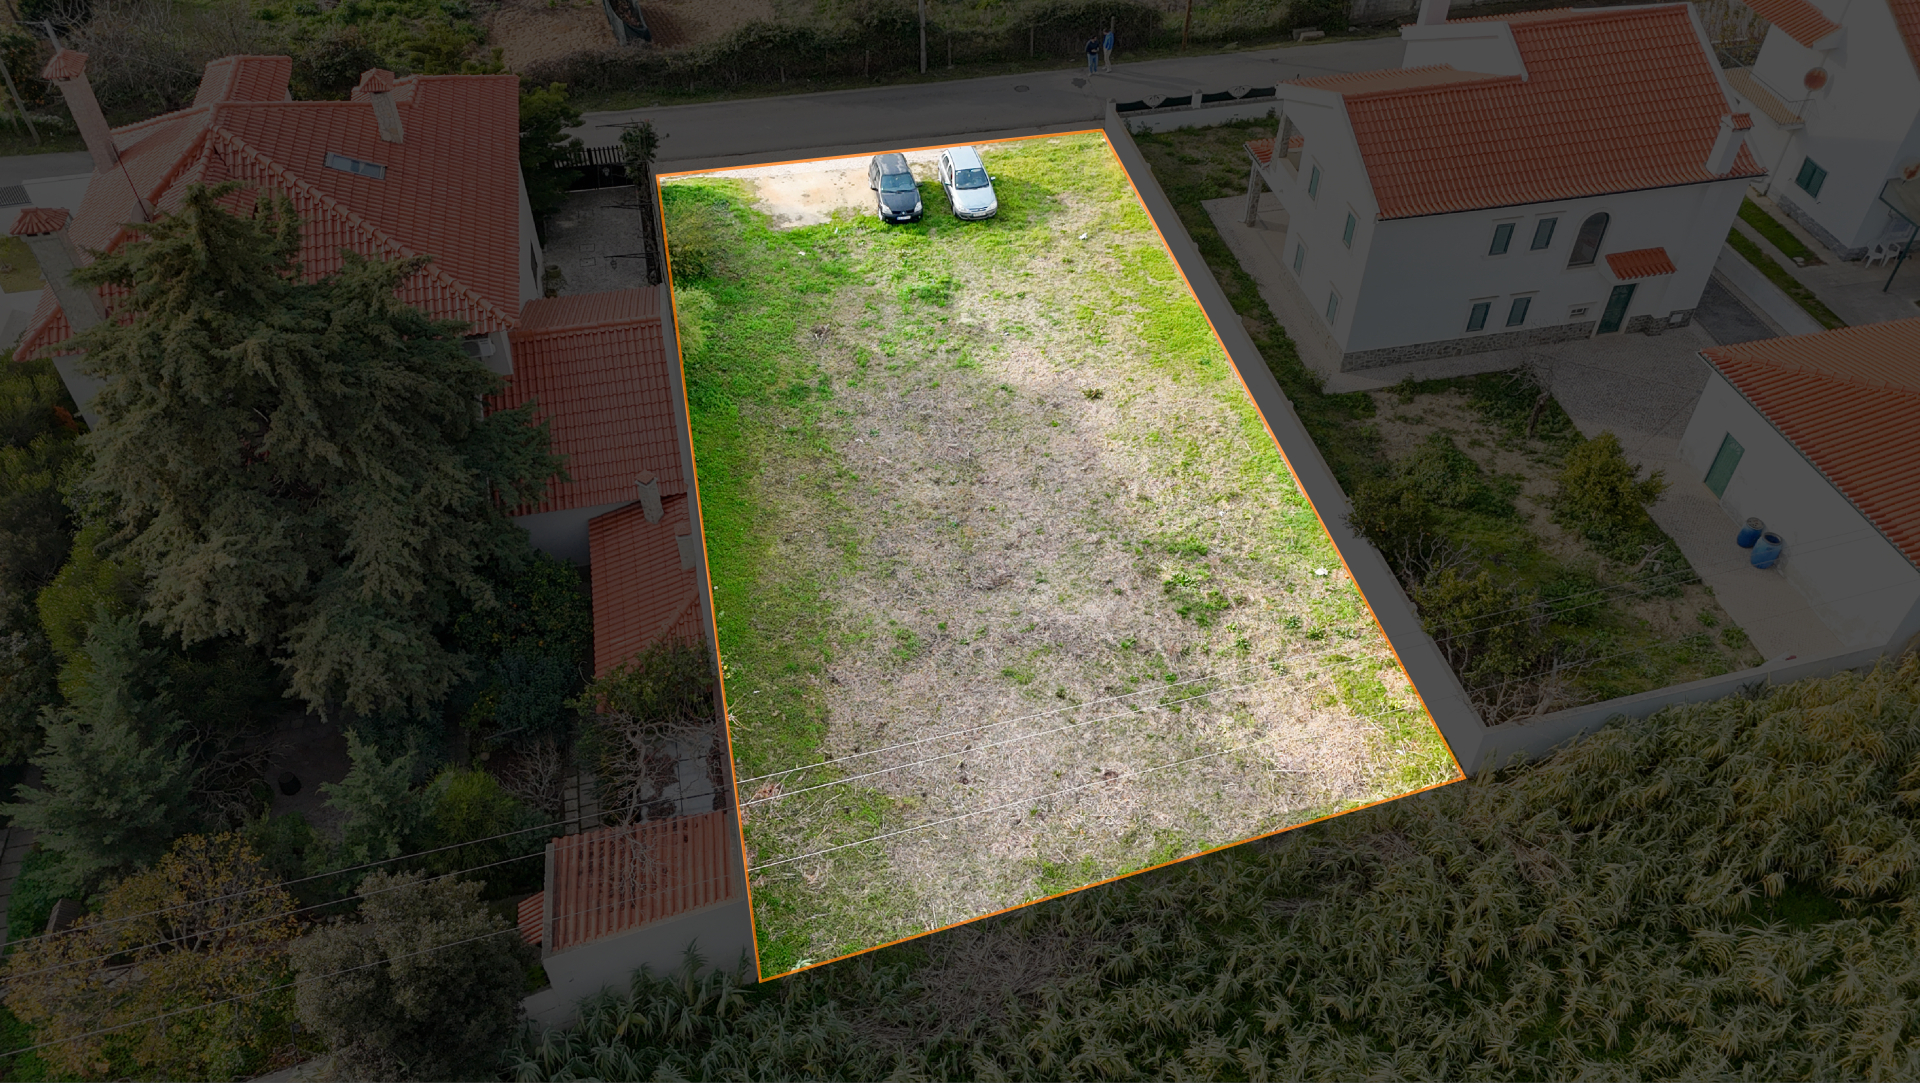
[[844, 121], [1852, 290]]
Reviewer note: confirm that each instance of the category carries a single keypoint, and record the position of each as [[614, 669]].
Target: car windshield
[[969, 178], [896, 182]]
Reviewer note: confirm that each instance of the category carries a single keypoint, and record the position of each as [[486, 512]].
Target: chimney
[[650, 499], [68, 71], [1726, 146], [45, 231], [1433, 12], [377, 85]]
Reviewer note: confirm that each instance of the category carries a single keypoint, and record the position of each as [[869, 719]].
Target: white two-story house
[[1835, 95], [1530, 178]]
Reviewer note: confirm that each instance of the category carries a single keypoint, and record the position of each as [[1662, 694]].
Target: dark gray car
[[894, 189]]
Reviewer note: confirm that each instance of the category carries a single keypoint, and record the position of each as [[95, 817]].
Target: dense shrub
[[532, 651], [1723, 890], [1599, 493]]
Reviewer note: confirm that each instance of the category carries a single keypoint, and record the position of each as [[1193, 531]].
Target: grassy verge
[[996, 479], [1782, 278], [1774, 230]]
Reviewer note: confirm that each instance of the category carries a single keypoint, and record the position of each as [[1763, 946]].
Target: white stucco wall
[[1424, 274], [1860, 128], [1855, 579], [1319, 220], [563, 534]]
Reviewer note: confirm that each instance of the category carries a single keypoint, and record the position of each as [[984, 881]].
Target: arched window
[[1586, 247]]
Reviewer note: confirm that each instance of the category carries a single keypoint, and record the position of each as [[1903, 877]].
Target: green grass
[[808, 325], [25, 272], [1774, 230], [1782, 278]]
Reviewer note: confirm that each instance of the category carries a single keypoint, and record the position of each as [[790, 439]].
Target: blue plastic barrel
[[1750, 533], [1766, 550]]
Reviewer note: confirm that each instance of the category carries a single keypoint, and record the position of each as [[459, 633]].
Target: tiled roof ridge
[[1739, 354], [1547, 15], [1410, 91], [1906, 17], [1797, 19], [525, 333], [381, 237]]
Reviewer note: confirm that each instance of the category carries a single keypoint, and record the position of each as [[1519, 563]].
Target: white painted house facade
[[1818, 436], [1512, 183], [1835, 96]]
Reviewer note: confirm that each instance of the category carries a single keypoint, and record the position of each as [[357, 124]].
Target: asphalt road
[[25, 167], [749, 129]]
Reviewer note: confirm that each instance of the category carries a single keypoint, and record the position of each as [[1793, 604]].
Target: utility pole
[[1186, 26], [923, 37]]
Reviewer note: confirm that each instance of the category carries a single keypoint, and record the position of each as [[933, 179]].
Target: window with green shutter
[[1811, 178], [1723, 465]]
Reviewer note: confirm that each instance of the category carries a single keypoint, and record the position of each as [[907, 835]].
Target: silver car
[[969, 189]]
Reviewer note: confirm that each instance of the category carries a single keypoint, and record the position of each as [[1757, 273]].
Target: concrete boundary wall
[[1445, 698], [1193, 116]]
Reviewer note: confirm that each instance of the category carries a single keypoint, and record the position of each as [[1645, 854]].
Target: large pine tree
[[301, 463]]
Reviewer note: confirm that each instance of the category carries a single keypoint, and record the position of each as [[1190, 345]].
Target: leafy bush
[[1392, 512], [1597, 493], [469, 807], [1328, 15], [425, 985], [545, 116], [532, 649], [663, 694], [328, 63], [700, 234], [206, 932], [41, 883], [693, 310]]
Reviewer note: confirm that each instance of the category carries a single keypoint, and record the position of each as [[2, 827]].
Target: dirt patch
[[532, 31], [680, 24], [1082, 619]]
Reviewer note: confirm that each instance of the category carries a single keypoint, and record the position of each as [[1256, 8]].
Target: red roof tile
[[451, 190], [1262, 150], [66, 64], [1906, 16], [597, 366], [609, 880], [375, 81], [37, 220], [1742, 122], [1640, 263], [641, 594], [1849, 400], [1799, 19], [245, 79], [1615, 100]]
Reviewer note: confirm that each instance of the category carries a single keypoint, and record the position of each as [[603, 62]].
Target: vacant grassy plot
[[1014, 591], [1724, 890]]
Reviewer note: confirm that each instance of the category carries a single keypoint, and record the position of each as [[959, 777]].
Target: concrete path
[[1853, 290], [1729, 317], [1771, 301], [847, 121]]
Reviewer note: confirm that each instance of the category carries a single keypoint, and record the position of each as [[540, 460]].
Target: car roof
[[964, 157], [893, 162]]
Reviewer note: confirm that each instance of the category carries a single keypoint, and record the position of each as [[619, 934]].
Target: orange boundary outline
[[713, 616]]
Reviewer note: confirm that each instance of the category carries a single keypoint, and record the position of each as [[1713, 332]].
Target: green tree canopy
[[119, 781], [426, 985], [545, 116], [299, 463]]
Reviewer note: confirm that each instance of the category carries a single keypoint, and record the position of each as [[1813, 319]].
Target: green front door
[[1616, 312], [1723, 464]]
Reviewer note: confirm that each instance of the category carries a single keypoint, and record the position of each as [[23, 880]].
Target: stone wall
[[1460, 347], [1820, 232]]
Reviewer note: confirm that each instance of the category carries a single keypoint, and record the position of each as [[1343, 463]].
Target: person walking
[[1093, 55], [1106, 49]]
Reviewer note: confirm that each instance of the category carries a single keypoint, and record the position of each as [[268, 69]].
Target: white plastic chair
[[1879, 253]]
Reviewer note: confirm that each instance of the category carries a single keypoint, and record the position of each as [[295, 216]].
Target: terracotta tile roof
[[1849, 400], [1373, 82], [451, 190], [1262, 151], [245, 79], [1615, 100], [1799, 19], [66, 64], [1745, 85], [609, 880], [1640, 263], [1906, 16], [34, 221], [375, 81], [1742, 122], [597, 365], [641, 594]]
